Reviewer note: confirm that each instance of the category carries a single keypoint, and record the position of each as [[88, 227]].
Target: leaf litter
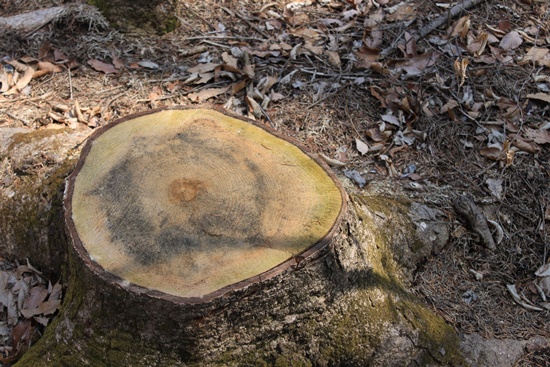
[[464, 102], [29, 302]]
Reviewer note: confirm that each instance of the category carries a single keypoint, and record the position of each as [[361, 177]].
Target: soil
[[349, 80]]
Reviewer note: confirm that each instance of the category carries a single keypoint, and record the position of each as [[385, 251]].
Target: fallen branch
[[31, 22], [455, 11]]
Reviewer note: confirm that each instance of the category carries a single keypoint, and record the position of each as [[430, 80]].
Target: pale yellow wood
[[189, 201]]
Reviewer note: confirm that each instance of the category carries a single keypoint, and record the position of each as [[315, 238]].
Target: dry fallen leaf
[[493, 153], [461, 27], [478, 45], [25, 79], [460, 67], [202, 68], [539, 136], [401, 11], [526, 146], [543, 271], [366, 57], [36, 296], [511, 41], [102, 66], [545, 97], [205, 94], [538, 55], [333, 58], [362, 147], [45, 308], [417, 65], [148, 64]]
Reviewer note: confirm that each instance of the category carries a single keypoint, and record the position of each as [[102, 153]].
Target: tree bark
[[346, 306]]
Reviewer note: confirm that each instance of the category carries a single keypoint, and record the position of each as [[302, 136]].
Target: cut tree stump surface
[[194, 202]]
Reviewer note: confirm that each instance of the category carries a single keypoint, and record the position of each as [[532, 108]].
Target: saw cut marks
[[189, 201]]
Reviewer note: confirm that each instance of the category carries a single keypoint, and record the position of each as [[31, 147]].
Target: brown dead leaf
[[267, 83], [373, 39], [537, 55], [377, 93], [477, 46], [308, 34], [36, 296], [375, 134], [492, 153], [202, 68], [44, 50], [333, 58], [526, 146], [45, 308], [316, 50], [21, 333], [545, 97], [461, 27], [155, 93], [230, 60], [59, 56], [366, 57], [205, 94], [25, 79], [102, 66], [361, 146], [403, 11], [240, 85], [538, 136], [460, 67], [417, 65], [204, 78], [511, 41]]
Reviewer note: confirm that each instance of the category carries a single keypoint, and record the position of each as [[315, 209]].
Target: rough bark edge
[[316, 251]]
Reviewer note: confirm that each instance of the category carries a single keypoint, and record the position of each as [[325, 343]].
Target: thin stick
[[17, 118], [44, 96], [250, 24], [223, 37], [215, 44], [70, 84]]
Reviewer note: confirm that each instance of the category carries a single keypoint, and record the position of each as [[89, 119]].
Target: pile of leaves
[[28, 303]]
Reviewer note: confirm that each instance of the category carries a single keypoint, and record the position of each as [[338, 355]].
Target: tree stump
[[195, 203], [199, 238]]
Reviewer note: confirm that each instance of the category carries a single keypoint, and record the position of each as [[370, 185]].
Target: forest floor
[[379, 88]]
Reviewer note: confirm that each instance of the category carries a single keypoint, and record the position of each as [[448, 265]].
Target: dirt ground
[[375, 87]]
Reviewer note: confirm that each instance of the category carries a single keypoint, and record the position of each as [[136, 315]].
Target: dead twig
[[247, 21], [455, 11], [25, 122]]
